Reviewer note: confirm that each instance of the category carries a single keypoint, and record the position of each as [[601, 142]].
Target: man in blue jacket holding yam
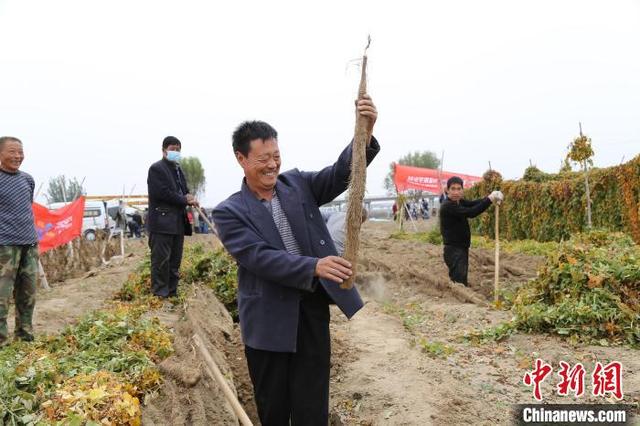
[[288, 272]]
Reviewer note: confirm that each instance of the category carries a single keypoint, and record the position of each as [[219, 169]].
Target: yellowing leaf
[[595, 281], [97, 393]]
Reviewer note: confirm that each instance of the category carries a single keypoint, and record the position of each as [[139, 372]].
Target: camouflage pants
[[18, 274]]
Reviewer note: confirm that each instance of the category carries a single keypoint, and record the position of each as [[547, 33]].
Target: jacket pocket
[[166, 219], [249, 285]]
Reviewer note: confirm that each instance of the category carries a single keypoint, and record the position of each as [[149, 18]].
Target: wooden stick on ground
[[496, 275], [43, 276], [122, 240], [216, 375], [40, 189], [207, 221], [104, 249], [358, 179], [400, 211], [413, 222]]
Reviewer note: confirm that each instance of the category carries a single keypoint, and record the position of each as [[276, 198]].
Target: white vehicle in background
[[381, 210], [95, 218]]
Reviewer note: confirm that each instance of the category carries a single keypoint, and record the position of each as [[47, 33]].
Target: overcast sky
[[92, 87]]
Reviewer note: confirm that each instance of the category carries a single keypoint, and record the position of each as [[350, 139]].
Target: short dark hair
[[170, 140], [5, 139], [453, 180], [251, 130]]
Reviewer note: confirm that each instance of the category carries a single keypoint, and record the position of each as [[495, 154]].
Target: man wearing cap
[[454, 226], [167, 220]]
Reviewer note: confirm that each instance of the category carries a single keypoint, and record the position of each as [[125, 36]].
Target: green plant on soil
[[137, 288], [409, 314], [432, 236], [435, 349], [97, 369], [412, 318], [529, 247], [588, 290], [492, 334], [215, 269]]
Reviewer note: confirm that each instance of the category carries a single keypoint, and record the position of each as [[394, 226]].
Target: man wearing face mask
[[167, 220]]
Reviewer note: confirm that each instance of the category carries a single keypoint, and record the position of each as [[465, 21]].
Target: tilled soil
[[189, 395], [402, 359]]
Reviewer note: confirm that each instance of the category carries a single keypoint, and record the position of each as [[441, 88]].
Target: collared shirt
[[17, 226], [282, 224]]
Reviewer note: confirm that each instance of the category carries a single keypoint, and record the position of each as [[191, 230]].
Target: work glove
[[496, 196]]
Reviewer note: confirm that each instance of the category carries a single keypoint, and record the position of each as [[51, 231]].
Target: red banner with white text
[[408, 177], [58, 227]]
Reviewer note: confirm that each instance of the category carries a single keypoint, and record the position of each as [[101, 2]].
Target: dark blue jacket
[[167, 202], [270, 280]]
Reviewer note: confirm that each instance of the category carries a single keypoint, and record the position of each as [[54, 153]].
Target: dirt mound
[[403, 358], [64, 263], [189, 396], [420, 267], [515, 269]]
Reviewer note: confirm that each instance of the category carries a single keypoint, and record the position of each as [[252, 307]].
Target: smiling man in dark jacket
[[288, 272], [167, 220]]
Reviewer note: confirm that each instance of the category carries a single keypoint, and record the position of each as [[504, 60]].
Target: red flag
[[58, 227], [407, 177]]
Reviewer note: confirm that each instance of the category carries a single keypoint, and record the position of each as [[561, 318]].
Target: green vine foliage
[[587, 289], [534, 174], [580, 150], [554, 209]]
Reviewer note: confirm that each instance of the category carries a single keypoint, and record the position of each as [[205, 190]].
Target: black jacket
[[453, 220], [167, 202]]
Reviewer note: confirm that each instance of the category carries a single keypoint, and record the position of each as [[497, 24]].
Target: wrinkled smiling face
[[11, 156], [262, 164], [455, 192]]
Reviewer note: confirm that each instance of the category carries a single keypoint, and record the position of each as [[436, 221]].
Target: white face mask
[[174, 156]]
